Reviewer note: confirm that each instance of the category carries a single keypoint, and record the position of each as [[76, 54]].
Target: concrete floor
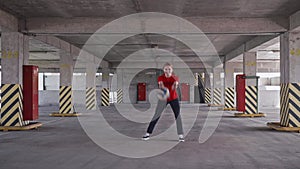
[[237, 143]]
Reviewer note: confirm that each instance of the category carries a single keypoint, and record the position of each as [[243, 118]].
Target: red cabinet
[[185, 92], [30, 92], [240, 92], [141, 91]]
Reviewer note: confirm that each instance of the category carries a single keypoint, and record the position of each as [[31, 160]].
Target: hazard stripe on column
[[284, 104], [90, 102], [251, 100], [65, 100], [207, 95], [294, 105], [12, 105], [217, 96], [119, 96], [229, 97], [105, 97]]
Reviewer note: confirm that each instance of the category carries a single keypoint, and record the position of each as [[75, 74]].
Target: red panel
[[185, 92], [30, 92], [141, 91], [240, 92]]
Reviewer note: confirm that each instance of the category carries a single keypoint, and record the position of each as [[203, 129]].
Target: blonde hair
[[168, 64]]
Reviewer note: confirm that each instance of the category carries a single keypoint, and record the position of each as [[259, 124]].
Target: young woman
[[170, 81]]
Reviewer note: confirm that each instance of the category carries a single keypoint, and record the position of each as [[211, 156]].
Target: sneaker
[[146, 136], [181, 138]]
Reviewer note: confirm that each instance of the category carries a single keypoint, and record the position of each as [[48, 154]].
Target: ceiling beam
[[8, 21], [69, 48], [295, 22], [209, 25], [251, 45], [141, 64]]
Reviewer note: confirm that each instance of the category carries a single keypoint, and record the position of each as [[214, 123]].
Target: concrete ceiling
[[268, 52], [218, 15], [118, 8]]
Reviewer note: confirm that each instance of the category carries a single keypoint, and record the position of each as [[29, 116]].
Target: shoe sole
[[145, 139]]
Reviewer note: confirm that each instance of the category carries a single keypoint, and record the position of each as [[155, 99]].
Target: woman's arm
[[175, 85], [161, 85]]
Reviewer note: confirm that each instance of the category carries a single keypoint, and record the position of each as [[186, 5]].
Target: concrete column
[[25, 50], [251, 93], [229, 74], [290, 57], [229, 85], [66, 76], [290, 79], [66, 69], [217, 87], [91, 71], [130, 93], [119, 81], [113, 82], [196, 75], [105, 92], [222, 75], [12, 47], [207, 80], [105, 78], [98, 88], [208, 85], [249, 67]]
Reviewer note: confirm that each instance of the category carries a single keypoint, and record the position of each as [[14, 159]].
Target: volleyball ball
[[163, 94]]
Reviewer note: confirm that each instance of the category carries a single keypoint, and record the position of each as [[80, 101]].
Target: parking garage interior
[[79, 83]]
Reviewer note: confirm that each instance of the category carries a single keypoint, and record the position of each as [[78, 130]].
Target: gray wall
[[149, 77], [268, 95]]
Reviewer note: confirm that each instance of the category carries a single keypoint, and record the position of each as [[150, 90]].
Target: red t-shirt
[[168, 82]]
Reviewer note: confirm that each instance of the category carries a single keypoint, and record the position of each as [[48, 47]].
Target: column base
[[229, 109], [215, 105], [32, 125], [65, 114], [278, 127], [249, 115]]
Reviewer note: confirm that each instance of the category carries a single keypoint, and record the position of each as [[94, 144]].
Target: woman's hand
[[175, 85], [161, 85]]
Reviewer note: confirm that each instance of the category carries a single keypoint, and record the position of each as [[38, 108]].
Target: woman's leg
[[176, 109], [161, 105]]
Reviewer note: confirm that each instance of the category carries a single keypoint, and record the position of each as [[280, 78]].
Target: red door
[[141, 91], [185, 92], [30, 92], [240, 92]]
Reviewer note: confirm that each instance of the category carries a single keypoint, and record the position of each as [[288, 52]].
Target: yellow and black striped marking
[[284, 105], [119, 96], [65, 100], [12, 105], [90, 98], [291, 114], [105, 97], [217, 96], [294, 104], [251, 100], [207, 95], [229, 97]]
